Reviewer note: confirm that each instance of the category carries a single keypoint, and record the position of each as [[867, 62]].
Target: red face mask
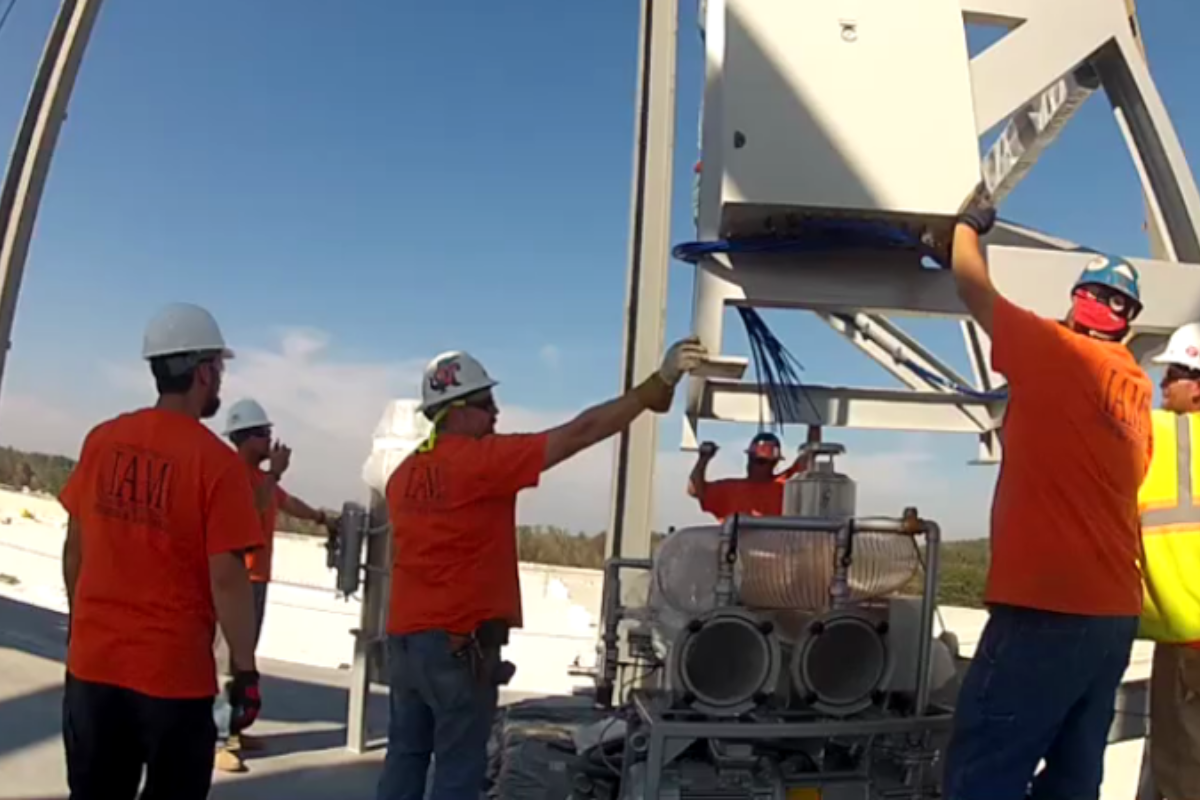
[[1095, 314]]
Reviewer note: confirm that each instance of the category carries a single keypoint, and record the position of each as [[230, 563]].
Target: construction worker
[[455, 591], [760, 493], [1170, 566], [153, 561], [1063, 588], [250, 431]]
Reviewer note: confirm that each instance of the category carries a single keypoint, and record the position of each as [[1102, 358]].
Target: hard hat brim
[[230, 430], [450, 398], [224, 352]]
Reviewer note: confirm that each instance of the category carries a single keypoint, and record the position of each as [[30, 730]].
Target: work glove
[[245, 698], [683, 357], [978, 212], [657, 391], [708, 449]]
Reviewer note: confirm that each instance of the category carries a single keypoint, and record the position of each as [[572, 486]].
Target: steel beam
[[878, 351], [371, 636], [1166, 179], [979, 351], [1039, 280], [894, 350], [875, 409], [649, 256], [1032, 129], [29, 164], [1051, 41]]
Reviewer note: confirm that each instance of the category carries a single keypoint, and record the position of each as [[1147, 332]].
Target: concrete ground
[[303, 723]]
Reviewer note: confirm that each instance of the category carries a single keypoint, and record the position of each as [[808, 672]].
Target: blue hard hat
[[1113, 272]]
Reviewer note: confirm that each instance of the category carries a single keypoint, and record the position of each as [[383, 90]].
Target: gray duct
[[840, 662], [725, 662]]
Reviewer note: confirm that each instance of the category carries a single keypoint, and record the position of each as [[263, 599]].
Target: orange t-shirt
[[1077, 440], [743, 496], [155, 494], [258, 561], [454, 520]]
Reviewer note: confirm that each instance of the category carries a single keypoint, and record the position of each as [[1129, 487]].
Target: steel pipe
[[612, 613], [933, 545]]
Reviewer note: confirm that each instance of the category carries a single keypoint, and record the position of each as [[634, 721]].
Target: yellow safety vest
[[1170, 504]]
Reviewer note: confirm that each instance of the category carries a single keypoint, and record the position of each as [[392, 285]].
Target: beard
[[211, 407]]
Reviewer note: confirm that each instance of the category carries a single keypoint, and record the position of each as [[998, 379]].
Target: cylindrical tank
[[820, 491]]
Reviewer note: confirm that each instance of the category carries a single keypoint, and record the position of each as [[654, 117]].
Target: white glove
[[683, 357]]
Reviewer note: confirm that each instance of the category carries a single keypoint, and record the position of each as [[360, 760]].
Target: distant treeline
[[37, 472], [963, 564]]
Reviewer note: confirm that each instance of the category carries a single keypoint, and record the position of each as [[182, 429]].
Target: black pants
[[111, 734]]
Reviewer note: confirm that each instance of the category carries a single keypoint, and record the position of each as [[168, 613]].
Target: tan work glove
[[658, 390]]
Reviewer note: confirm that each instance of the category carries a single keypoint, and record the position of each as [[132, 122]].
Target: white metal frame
[[29, 163], [1032, 80]]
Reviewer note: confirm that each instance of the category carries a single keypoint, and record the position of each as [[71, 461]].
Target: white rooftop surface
[[308, 627]]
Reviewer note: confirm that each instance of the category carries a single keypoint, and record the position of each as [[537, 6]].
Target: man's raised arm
[[607, 419]]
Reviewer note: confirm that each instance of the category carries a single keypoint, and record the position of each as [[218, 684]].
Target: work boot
[[228, 760]]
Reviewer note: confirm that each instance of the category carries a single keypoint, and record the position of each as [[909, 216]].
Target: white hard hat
[[245, 414], [450, 376], [1183, 348], [183, 328]]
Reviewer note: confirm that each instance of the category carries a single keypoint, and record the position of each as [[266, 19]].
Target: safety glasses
[[1118, 302]]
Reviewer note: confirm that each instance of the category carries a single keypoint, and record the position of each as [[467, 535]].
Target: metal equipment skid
[[793, 743], [660, 734]]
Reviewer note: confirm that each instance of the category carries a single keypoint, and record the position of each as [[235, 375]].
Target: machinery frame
[[661, 735], [1044, 47], [1032, 80]]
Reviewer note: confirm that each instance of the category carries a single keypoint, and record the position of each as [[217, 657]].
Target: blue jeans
[[1041, 686], [437, 709]]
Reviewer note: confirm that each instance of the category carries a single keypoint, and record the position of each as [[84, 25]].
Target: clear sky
[[353, 187]]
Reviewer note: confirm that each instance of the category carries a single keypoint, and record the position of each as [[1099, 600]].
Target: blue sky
[[354, 187]]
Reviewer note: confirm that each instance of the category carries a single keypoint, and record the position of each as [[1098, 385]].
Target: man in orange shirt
[[250, 430], [760, 493], [1064, 588], [160, 516], [455, 588]]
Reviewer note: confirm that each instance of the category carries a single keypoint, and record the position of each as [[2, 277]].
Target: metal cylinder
[[352, 526], [725, 663], [840, 662], [820, 491]]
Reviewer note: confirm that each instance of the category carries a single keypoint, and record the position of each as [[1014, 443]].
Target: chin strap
[[1090, 313], [430, 443]]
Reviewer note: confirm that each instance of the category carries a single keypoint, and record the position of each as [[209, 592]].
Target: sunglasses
[[258, 433]]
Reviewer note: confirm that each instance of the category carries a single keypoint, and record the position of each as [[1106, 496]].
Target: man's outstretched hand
[[979, 212], [683, 357]]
